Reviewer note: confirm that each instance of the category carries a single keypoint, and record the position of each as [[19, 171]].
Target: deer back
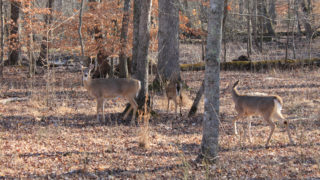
[[108, 88]]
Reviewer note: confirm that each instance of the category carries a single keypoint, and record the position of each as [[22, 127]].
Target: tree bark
[[249, 40], [102, 66], [144, 37], [264, 12], [224, 38], [241, 9], [14, 34], [209, 144], [123, 64], [272, 11], [80, 26], [1, 40], [43, 50], [135, 43], [305, 19], [168, 42]]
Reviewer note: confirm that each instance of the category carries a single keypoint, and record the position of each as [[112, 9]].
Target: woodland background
[[48, 127]]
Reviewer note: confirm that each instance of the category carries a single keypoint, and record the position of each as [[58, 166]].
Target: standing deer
[[102, 89], [173, 91], [269, 107]]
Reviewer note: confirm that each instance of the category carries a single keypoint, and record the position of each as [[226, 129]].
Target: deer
[[102, 89], [173, 91], [269, 107]]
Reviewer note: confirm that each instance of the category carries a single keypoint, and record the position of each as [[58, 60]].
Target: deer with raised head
[[269, 107], [173, 92], [102, 89]]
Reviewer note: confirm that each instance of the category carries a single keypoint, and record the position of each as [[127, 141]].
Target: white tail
[[268, 107], [102, 89]]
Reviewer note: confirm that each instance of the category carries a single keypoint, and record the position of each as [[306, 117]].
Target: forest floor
[[54, 132]]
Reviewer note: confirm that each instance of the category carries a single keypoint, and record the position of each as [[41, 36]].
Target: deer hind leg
[[272, 127], [103, 115], [128, 111], [168, 106], [249, 130], [134, 106], [288, 131], [180, 105], [285, 122]]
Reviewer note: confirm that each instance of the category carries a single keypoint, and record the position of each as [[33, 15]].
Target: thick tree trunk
[[14, 36], [168, 43], [144, 37], [123, 64], [135, 43], [209, 144], [43, 47]]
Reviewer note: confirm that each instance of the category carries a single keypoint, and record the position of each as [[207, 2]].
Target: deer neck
[[87, 83], [235, 94]]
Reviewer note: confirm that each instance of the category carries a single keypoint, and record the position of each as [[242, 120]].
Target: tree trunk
[[123, 64], [135, 43], [288, 30], [1, 40], [272, 11], [305, 19], [268, 19], [14, 36], [168, 43], [254, 21], [186, 11], [196, 101], [80, 26], [102, 66], [224, 40], [249, 40], [209, 144], [43, 50], [241, 9], [144, 37]]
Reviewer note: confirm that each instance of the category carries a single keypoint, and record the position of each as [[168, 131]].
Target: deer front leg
[[176, 107], [99, 106], [234, 123], [249, 131]]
